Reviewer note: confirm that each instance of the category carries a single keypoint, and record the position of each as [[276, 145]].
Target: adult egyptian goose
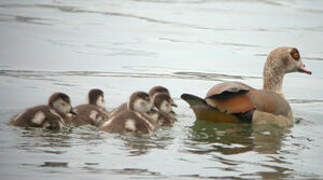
[[238, 102]]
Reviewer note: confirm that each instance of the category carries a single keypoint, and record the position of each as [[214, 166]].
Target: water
[[185, 45]]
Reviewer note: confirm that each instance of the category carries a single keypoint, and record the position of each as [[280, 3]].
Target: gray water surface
[[185, 45]]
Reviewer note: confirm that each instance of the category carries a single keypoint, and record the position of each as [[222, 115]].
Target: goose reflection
[[233, 138], [267, 139], [44, 141]]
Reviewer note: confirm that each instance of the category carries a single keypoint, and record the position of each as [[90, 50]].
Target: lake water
[[187, 46]]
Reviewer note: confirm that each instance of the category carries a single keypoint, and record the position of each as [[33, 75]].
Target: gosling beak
[[303, 69], [154, 109], [73, 112], [173, 104]]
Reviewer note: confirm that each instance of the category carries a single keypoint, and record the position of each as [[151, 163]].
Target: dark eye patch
[[143, 96], [162, 90], [295, 54], [65, 98]]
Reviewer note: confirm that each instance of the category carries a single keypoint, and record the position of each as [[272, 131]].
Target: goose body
[[238, 102]]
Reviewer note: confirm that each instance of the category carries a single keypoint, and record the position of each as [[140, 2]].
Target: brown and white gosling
[[164, 113], [160, 90], [92, 113], [52, 116], [134, 118]]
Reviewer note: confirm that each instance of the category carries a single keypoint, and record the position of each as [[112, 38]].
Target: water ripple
[[305, 101], [25, 19], [73, 9], [53, 75]]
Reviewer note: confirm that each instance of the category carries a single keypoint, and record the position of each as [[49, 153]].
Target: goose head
[[279, 62]]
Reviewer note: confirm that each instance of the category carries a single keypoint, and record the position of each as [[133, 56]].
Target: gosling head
[[163, 103], [61, 103], [96, 97], [160, 90], [140, 101]]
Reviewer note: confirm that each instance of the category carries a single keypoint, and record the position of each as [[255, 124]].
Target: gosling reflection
[[141, 145], [44, 141]]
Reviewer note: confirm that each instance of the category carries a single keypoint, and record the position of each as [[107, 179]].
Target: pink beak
[[303, 69]]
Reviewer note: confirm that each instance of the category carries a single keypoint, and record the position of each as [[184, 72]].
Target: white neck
[[273, 83], [273, 77]]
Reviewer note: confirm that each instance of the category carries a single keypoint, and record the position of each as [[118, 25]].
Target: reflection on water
[[237, 138], [267, 139], [44, 141], [55, 164], [140, 145], [52, 75], [224, 138]]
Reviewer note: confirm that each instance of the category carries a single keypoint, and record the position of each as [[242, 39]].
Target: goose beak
[[303, 69]]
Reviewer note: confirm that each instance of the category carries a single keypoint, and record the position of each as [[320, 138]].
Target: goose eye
[[295, 55]]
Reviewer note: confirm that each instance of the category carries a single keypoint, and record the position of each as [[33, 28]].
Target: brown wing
[[230, 97], [225, 88], [203, 111]]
